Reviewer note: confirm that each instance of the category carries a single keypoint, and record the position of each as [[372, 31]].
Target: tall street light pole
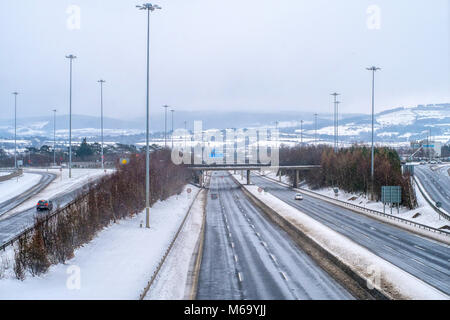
[[335, 94], [172, 111], [101, 117], [165, 126], [54, 137], [185, 134], [373, 69], [315, 128], [15, 129], [337, 124], [70, 57], [149, 7], [301, 132]]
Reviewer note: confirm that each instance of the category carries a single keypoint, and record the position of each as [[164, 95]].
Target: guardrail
[[370, 211], [440, 212], [169, 248], [11, 241], [16, 173]]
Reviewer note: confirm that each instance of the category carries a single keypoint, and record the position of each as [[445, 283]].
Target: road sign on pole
[[391, 195]]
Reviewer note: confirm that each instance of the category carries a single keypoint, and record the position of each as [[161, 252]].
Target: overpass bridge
[[201, 168]]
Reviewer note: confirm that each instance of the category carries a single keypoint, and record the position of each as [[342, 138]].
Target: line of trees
[[113, 197], [349, 169]]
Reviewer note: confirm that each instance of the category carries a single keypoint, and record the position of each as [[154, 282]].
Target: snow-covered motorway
[[246, 256], [436, 183], [426, 259], [11, 203], [61, 191]]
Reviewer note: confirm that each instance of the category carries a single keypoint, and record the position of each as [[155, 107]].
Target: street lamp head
[[373, 68], [101, 81], [15, 93], [71, 56], [335, 94], [148, 6]]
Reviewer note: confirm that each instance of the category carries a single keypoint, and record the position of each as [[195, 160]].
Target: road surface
[[426, 259], [46, 179], [436, 183], [246, 256], [16, 223]]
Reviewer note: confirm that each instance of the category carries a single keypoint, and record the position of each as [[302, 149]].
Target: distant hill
[[397, 125]]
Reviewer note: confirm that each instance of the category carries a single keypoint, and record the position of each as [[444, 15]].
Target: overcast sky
[[234, 55]]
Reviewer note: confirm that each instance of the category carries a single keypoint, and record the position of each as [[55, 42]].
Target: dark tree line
[[349, 169], [113, 197]]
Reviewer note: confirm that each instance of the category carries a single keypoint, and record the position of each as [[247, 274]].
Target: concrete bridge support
[[296, 178], [248, 176]]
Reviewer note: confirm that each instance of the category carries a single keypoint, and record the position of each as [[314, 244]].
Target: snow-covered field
[[62, 184], [392, 280], [15, 186], [117, 264]]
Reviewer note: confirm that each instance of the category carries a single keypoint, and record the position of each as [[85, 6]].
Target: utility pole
[[71, 57], [335, 120], [172, 111], [15, 129], [301, 132], [54, 137], [337, 124], [315, 128], [165, 125], [373, 69], [149, 7], [101, 112], [185, 134]]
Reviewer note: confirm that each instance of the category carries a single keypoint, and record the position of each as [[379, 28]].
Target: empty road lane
[[246, 256], [426, 259]]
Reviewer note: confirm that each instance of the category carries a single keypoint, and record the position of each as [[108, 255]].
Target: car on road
[[298, 196], [44, 205]]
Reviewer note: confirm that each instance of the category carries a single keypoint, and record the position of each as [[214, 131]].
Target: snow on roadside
[[427, 215], [116, 264], [172, 280], [15, 186], [61, 185], [398, 283]]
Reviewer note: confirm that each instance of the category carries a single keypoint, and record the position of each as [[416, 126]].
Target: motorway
[[436, 183], [246, 256], [426, 259], [46, 179], [12, 225]]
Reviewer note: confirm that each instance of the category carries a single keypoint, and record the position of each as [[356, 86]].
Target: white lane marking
[[232, 244], [394, 237], [273, 258], [235, 258], [388, 247], [284, 275], [365, 235], [373, 228], [258, 235], [416, 246], [264, 244], [419, 262], [253, 226], [240, 277]]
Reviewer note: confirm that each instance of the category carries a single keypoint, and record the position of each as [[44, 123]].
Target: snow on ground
[[117, 264], [61, 185], [15, 186], [393, 280], [172, 280], [427, 215]]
